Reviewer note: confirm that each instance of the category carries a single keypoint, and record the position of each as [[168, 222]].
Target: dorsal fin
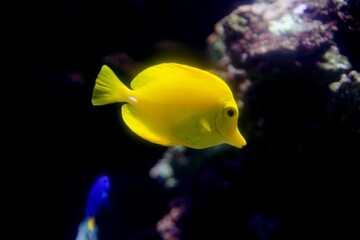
[[169, 71]]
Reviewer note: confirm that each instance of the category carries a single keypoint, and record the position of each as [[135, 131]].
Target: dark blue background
[[60, 143]]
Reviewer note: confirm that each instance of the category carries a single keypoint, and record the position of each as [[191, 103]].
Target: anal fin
[[137, 126]]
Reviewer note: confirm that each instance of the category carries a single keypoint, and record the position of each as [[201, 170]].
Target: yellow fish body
[[173, 104]]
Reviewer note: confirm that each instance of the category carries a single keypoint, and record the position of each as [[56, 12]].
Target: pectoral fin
[[204, 126]]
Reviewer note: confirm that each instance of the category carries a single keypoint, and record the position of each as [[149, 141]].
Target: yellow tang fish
[[174, 104]]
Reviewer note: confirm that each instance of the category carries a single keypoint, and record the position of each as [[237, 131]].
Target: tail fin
[[108, 88]]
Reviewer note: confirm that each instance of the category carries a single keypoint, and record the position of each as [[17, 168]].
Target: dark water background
[[61, 143]]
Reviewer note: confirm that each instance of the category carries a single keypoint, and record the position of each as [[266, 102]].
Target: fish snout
[[236, 139]]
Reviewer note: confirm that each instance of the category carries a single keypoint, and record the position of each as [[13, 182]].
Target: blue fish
[[98, 198]]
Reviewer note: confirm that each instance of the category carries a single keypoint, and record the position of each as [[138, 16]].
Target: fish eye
[[230, 112]]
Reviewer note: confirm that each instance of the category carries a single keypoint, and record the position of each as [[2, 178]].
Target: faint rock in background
[[169, 227], [272, 39], [163, 171]]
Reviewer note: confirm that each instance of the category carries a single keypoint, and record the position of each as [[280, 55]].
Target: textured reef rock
[[300, 101], [283, 42], [345, 104], [285, 38]]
